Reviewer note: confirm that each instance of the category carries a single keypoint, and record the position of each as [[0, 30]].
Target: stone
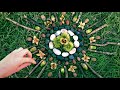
[[75, 54], [47, 41], [48, 28], [80, 36], [53, 24], [58, 33], [73, 51], [75, 37], [51, 58], [43, 35], [75, 74], [52, 37], [78, 58], [65, 54], [60, 23], [83, 52], [76, 44], [43, 49], [66, 63], [55, 28], [71, 57], [57, 51], [81, 43], [51, 45], [67, 22], [47, 35], [70, 32], [74, 61], [77, 33], [49, 74], [64, 31], [29, 39], [63, 13]]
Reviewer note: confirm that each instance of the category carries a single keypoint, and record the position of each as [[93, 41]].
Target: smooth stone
[[76, 44], [64, 31], [81, 43], [71, 57], [56, 28], [65, 54], [52, 37], [73, 51], [75, 37], [58, 33], [51, 45], [60, 58], [56, 51], [48, 35], [71, 33], [79, 49], [47, 41]]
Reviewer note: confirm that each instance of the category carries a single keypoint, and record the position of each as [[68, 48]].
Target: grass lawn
[[12, 37]]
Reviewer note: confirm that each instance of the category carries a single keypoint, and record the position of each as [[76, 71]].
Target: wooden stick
[[18, 24], [33, 69], [56, 16], [59, 74], [82, 71], [96, 30], [108, 43], [79, 17], [93, 70], [39, 75], [107, 53], [66, 72]]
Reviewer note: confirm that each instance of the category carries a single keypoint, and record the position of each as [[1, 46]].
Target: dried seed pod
[[84, 66], [74, 61], [83, 52], [50, 74], [33, 49], [98, 37], [51, 58], [75, 74], [43, 63], [29, 39], [66, 63]]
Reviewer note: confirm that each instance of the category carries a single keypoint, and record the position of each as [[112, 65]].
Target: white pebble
[[57, 51], [75, 37], [73, 51], [76, 44], [58, 33], [65, 54], [64, 30], [71, 33], [52, 37], [51, 45]]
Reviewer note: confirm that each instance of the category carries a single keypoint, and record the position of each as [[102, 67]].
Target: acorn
[[66, 63], [73, 61], [93, 59], [75, 74], [43, 63], [29, 39], [86, 20], [49, 74], [67, 22], [78, 58], [98, 37], [88, 31], [37, 28], [92, 47], [43, 35], [83, 52], [51, 58], [62, 70], [84, 66], [33, 49]]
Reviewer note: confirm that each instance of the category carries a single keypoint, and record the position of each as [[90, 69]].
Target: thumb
[[28, 60]]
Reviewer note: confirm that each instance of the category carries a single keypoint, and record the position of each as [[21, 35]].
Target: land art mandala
[[60, 45]]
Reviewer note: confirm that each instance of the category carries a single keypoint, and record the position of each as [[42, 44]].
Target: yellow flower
[[81, 25], [92, 39], [53, 65], [72, 68], [64, 41], [86, 58], [41, 54], [62, 18], [35, 40]]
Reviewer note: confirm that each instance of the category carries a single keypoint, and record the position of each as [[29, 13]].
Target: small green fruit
[[43, 63], [33, 49], [75, 19], [88, 31], [37, 28], [92, 47], [84, 66], [62, 70]]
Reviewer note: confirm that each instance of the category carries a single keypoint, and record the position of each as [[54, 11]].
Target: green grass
[[12, 37]]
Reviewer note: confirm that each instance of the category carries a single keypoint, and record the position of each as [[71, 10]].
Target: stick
[[96, 30], [18, 24], [59, 74], [79, 17], [108, 43], [39, 75], [33, 69], [107, 53], [93, 70], [66, 72], [56, 16], [82, 71], [33, 21]]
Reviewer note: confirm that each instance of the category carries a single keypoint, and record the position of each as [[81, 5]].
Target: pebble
[[55, 28], [49, 74], [43, 35], [29, 39], [58, 33], [60, 23], [76, 44], [65, 54], [53, 24], [51, 45], [51, 58], [83, 52], [43, 17], [67, 22], [74, 25], [75, 37], [73, 51], [66, 63], [78, 58], [52, 37], [74, 61], [71, 33], [71, 57], [57, 51], [64, 31]]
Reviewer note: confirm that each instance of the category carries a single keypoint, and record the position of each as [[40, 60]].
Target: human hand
[[15, 61]]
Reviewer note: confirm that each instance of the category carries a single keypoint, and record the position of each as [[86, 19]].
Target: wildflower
[[53, 65], [41, 54], [92, 39], [81, 25], [86, 58], [72, 68], [35, 40]]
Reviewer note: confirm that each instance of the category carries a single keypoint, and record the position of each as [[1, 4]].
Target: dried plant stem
[[55, 13], [93, 70], [98, 29], [18, 24], [33, 69], [107, 53], [39, 75], [108, 43], [66, 72], [79, 16], [59, 74], [82, 71]]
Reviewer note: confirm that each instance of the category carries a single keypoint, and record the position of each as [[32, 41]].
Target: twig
[[18, 24], [56, 16], [59, 74], [39, 75], [107, 53], [33, 21], [96, 30], [93, 70], [33, 69], [82, 71], [108, 43], [79, 17], [66, 72]]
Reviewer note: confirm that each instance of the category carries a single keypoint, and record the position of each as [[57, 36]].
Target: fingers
[[25, 52], [23, 66], [17, 50], [28, 60]]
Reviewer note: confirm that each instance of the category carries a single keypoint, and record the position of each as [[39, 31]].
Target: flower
[[64, 41], [92, 39], [86, 58], [62, 18], [81, 25], [41, 54], [53, 65], [47, 23], [35, 40], [72, 68], [53, 18]]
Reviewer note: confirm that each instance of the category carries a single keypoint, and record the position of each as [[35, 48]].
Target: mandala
[[60, 45]]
